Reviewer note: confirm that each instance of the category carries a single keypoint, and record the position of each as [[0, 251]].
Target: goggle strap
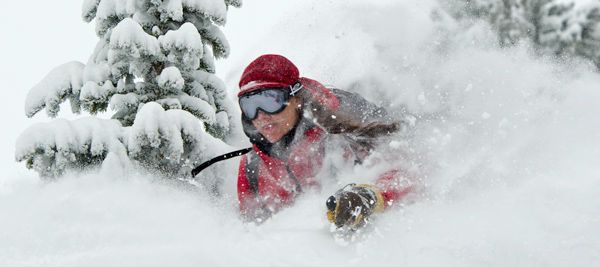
[[295, 88]]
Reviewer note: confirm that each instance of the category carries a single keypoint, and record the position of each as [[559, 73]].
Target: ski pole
[[214, 160]]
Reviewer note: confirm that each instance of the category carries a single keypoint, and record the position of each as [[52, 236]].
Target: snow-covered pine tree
[[153, 66], [560, 27], [571, 28]]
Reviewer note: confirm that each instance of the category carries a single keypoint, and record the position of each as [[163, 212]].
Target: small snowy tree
[[154, 68], [560, 27], [567, 28]]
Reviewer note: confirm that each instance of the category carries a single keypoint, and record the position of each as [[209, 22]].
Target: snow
[[97, 72], [166, 132], [128, 35], [199, 107], [123, 101], [209, 81], [63, 81], [170, 78], [218, 40], [183, 45], [222, 119], [66, 141], [235, 3], [515, 187], [91, 92], [185, 38], [215, 9], [208, 60], [89, 9], [109, 8]]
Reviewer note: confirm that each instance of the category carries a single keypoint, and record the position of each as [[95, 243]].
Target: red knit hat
[[268, 71]]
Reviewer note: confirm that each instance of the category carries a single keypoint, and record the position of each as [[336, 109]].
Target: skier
[[289, 120]]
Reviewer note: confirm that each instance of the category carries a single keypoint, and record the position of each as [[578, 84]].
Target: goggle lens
[[271, 101]]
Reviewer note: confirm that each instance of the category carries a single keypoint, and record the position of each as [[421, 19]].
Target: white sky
[[36, 37]]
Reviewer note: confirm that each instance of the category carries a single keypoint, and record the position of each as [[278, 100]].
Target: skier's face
[[275, 126]]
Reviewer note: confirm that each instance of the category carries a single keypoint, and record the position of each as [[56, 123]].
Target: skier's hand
[[352, 205]]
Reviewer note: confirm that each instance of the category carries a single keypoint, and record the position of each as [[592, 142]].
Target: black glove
[[352, 205]]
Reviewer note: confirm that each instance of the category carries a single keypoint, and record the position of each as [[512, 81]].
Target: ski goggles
[[270, 101]]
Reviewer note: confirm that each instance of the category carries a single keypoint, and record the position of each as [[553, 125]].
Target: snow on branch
[[214, 9], [183, 47], [132, 50], [170, 80], [89, 9], [171, 9], [62, 82], [124, 101], [217, 40], [209, 81], [558, 27], [97, 72], [199, 108], [207, 62], [235, 3], [129, 35], [118, 8], [94, 97], [51, 148], [110, 12], [173, 141], [570, 26]]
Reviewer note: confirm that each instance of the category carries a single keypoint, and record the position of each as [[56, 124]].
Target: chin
[[273, 138]]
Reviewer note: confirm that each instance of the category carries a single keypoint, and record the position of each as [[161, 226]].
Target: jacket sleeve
[[245, 196], [394, 185], [341, 112]]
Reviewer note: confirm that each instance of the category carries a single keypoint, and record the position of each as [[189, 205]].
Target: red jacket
[[271, 176]]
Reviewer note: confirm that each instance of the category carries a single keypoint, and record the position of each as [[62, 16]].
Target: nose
[[261, 115]]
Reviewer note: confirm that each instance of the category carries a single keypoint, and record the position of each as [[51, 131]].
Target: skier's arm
[[393, 185], [353, 205]]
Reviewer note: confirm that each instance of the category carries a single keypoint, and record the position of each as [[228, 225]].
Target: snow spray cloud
[[480, 108], [506, 139]]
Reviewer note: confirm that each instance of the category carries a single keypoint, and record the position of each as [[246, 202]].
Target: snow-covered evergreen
[[51, 148], [148, 51], [560, 27]]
